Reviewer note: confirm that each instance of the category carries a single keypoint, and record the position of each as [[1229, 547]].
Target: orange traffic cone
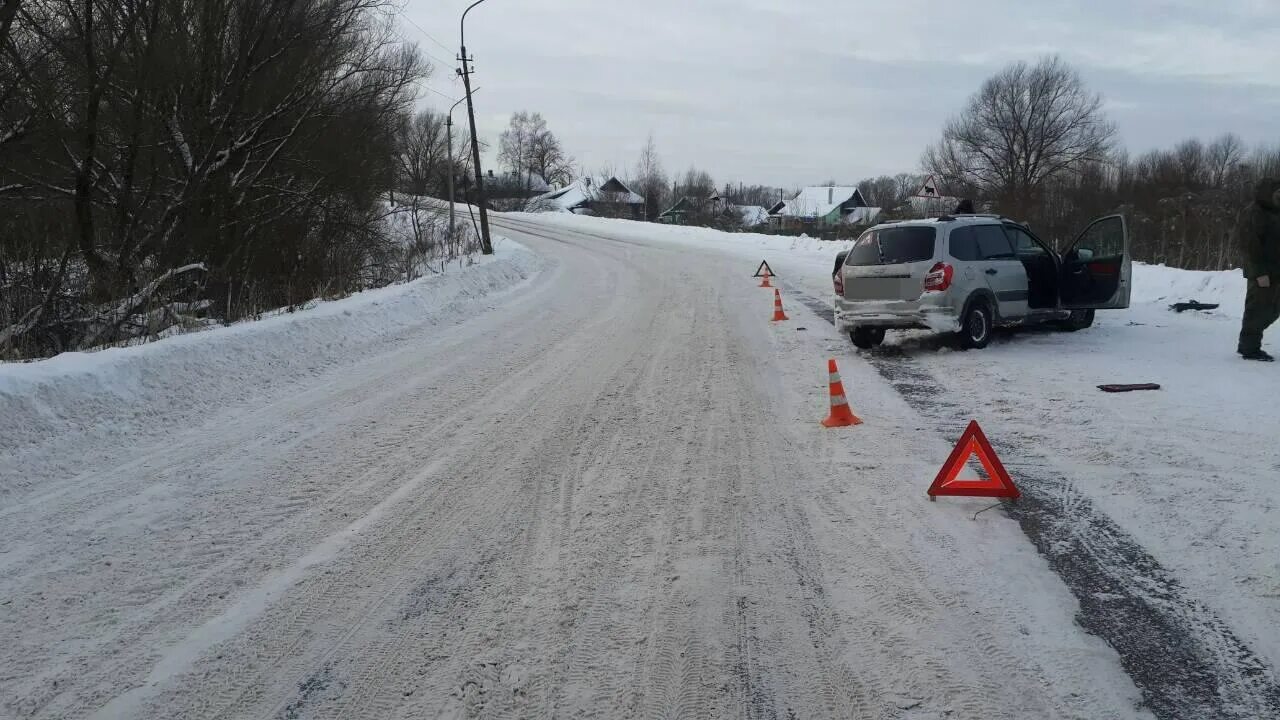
[[777, 307], [841, 415], [764, 282]]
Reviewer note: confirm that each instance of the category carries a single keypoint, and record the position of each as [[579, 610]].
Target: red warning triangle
[[974, 442], [764, 265]]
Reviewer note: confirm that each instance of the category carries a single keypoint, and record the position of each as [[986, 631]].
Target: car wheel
[[866, 338], [975, 329], [1079, 320]]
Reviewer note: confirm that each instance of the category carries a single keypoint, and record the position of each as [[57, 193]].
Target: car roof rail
[[949, 217]]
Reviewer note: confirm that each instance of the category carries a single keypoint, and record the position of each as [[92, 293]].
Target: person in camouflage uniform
[[1258, 233]]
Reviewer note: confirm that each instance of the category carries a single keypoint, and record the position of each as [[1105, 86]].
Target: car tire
[[975, 327], [866, 338], [1079, 320]]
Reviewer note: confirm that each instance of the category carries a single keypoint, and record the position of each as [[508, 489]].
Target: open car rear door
[[1097, 272]]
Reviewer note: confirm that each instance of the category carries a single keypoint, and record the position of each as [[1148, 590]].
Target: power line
[[446, 63], [424, 32], [407, 41], [446, 97]]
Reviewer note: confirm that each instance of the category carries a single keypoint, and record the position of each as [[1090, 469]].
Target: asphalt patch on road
[[1188, 664]]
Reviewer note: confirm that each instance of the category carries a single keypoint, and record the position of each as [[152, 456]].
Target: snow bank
[[1165, 285], [123, 392]]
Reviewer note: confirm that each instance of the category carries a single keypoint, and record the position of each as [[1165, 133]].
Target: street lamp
[[486, 246], [448, 125]]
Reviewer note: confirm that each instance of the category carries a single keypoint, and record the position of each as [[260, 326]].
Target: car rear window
[[889, 246], [964, 244], [993, 243], [980, 242]]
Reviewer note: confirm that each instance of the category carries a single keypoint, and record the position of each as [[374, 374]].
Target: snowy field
[[586, 479]]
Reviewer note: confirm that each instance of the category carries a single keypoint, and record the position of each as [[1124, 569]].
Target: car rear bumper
[[925, 314]]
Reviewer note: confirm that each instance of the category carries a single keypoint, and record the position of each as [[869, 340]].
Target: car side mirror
[[1082, 254]]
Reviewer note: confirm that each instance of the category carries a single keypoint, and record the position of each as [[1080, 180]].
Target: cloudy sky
[[793, 92]]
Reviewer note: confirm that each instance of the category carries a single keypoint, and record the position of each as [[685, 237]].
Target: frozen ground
[[589, 481], [1192, 472]]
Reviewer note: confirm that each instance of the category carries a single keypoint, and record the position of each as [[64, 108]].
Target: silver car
[[966, 274]]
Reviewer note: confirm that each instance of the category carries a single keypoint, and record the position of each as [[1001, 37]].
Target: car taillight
[[838, 281], [939, 277]]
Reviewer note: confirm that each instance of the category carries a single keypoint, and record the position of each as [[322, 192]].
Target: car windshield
[[890, 246]]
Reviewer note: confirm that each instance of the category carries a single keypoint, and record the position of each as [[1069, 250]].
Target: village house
[[510, 185], [677, 213], [715, 206], [611, 198], [823, 207]]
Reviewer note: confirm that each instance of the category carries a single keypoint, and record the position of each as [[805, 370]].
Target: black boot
[[1256, 355]]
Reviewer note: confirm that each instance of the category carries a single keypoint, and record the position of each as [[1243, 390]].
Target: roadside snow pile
[[118, 393], [419, 228], [1166, 285]]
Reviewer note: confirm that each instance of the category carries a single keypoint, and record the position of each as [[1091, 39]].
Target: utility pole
[[486, 246], [448, 132]]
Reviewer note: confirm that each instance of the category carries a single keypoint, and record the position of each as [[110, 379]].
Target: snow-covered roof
[[862, 216], [531, 180], [585, 191], [681, 205], [752, 214], [815, 202], [941, 203], [615, 191]]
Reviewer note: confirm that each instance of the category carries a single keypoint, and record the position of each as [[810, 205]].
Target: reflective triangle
[[974, 442]]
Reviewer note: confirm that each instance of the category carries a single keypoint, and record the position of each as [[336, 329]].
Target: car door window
[[1103, 239], [964, 244], [1024, 244], [993, 244]]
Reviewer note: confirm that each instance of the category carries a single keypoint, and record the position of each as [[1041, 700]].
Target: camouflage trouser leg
[[1261, 308]]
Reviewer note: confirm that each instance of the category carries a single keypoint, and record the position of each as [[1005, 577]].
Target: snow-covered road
[[605, 494]]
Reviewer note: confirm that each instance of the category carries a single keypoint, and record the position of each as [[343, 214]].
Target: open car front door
[[1097, 272]]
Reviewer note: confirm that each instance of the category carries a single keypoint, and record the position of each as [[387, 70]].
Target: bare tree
[[695, 184], [528, 146], [1027, 126], [650, 180], [904, 186], [890, 191], [514, 143], [1224, 154], [423, 155], [246, 141], [8, 11], [423, 151], [548, 159], [698, 188], [760, 195]]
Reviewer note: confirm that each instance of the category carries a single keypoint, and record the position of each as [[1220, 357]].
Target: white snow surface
[[1191, 471], [587, 479], [52, 411]]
